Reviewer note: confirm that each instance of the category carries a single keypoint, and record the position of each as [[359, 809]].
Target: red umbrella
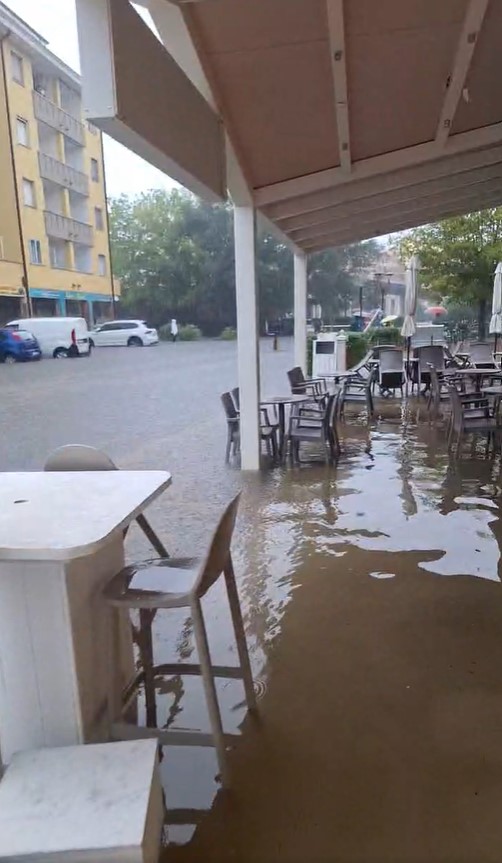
[[436, 311]]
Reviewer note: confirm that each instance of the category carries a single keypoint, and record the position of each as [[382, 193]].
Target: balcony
[[54, 116], [64, 175], [63, 228]]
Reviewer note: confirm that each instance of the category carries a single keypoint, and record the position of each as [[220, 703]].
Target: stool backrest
[[75, 456], [219, 550]]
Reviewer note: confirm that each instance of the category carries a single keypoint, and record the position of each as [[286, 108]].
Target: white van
[[57, 337]]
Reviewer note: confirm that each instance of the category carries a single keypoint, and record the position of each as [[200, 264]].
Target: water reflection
[[325, 549]]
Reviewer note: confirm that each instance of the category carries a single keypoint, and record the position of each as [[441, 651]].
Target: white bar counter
[[61, 540]]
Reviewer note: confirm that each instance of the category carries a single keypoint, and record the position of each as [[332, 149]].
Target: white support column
[[300, 311], [247, 334]]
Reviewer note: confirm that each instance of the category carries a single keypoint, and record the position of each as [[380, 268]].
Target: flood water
[[373, 609]]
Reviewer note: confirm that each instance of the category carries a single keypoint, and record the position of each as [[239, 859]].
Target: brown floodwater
[[373, 608]]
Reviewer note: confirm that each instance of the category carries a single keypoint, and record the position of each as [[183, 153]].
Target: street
[[156, 408]]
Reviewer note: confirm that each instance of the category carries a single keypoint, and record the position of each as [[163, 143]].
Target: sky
[[55, 20]]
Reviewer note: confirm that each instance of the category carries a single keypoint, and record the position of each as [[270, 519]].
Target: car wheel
[[91, 344], [10, 359], [134, 342], [60, 354]]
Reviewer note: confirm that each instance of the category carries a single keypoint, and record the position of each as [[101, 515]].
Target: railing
[[58, 172], [64, 228], [50, 113]]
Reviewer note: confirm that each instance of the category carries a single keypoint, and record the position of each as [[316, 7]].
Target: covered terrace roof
[[348, 118]]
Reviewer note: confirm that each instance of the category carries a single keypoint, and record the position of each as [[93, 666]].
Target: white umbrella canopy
[[496, 319], [410, 297]]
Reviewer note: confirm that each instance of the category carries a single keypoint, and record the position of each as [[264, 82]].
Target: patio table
[[280, 403], [61, 540], [476, 375]]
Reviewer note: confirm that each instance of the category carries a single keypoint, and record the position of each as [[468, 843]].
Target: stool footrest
[[230, 671], [165, 737]]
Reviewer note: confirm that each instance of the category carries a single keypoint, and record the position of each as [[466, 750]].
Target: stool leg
[[151, 536], [114, 699], [146, 652], [240, 636], [202, 643]]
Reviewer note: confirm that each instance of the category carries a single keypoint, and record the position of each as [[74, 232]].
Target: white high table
[[61, 540]]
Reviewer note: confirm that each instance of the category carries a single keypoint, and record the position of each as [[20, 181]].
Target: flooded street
[[373, 609]]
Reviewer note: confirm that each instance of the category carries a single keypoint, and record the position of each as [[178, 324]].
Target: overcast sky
[[56, 21]]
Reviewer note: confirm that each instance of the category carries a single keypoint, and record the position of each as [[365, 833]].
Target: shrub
[[165, 332], [357, 347], [189, 333], [186, 333], [229, 334], [385, 336]]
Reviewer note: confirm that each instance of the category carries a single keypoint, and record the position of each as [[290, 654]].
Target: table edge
[[11, 555]]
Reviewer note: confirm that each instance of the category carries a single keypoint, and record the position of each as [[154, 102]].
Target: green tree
[[336, 274], [458, 258], [175, 257]]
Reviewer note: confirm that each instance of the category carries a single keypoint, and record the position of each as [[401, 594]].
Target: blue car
[[17, 346]]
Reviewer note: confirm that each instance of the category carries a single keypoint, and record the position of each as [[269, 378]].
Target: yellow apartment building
[[54, 241]]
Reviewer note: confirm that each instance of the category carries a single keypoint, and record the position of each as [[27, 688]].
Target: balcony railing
[[64, 228], [62, 174], [51, 114]]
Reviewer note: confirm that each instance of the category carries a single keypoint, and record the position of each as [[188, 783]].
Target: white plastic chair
[[76, 457], [146, 597]]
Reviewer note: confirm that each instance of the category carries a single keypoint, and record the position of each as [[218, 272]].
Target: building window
[[29, 193], [17, 67], [35, 252], [23, 133], [98, 218], [101, 265], [94, 170]]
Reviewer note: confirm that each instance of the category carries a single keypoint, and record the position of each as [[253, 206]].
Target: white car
[[123, 333]]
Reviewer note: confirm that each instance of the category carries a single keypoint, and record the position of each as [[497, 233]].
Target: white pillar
[[247, 336], [300, 311]]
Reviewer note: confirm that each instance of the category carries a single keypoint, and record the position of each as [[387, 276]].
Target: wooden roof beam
[[473, 22], [336, 30]]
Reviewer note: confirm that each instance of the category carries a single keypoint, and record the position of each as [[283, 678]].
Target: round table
[[280, 403], [476, 375]]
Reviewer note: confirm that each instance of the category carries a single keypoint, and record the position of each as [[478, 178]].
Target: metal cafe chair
[[391, 371], [268, 430], [145, 588], [307, 427], [314, 387], [464, 421], [77, 457]]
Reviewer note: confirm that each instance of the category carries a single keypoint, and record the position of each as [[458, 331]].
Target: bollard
[[276, 343]]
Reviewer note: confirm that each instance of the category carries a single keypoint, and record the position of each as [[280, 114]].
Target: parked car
[[57, 337], [123, 333], [17, 346]]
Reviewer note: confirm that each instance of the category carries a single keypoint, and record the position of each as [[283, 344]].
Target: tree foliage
[[175, 257], [458, 258]]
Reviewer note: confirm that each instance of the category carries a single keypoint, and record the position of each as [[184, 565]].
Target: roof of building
[[34, 45]]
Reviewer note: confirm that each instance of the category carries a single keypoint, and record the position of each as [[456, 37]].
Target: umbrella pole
[[408, 342]]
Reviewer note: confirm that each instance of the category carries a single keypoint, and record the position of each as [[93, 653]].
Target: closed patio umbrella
[[410, 306], [496, 319]]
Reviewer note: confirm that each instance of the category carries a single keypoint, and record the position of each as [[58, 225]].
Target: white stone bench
[[82, 804]]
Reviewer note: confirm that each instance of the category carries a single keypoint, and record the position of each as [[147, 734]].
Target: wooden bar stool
[[137, 587]]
